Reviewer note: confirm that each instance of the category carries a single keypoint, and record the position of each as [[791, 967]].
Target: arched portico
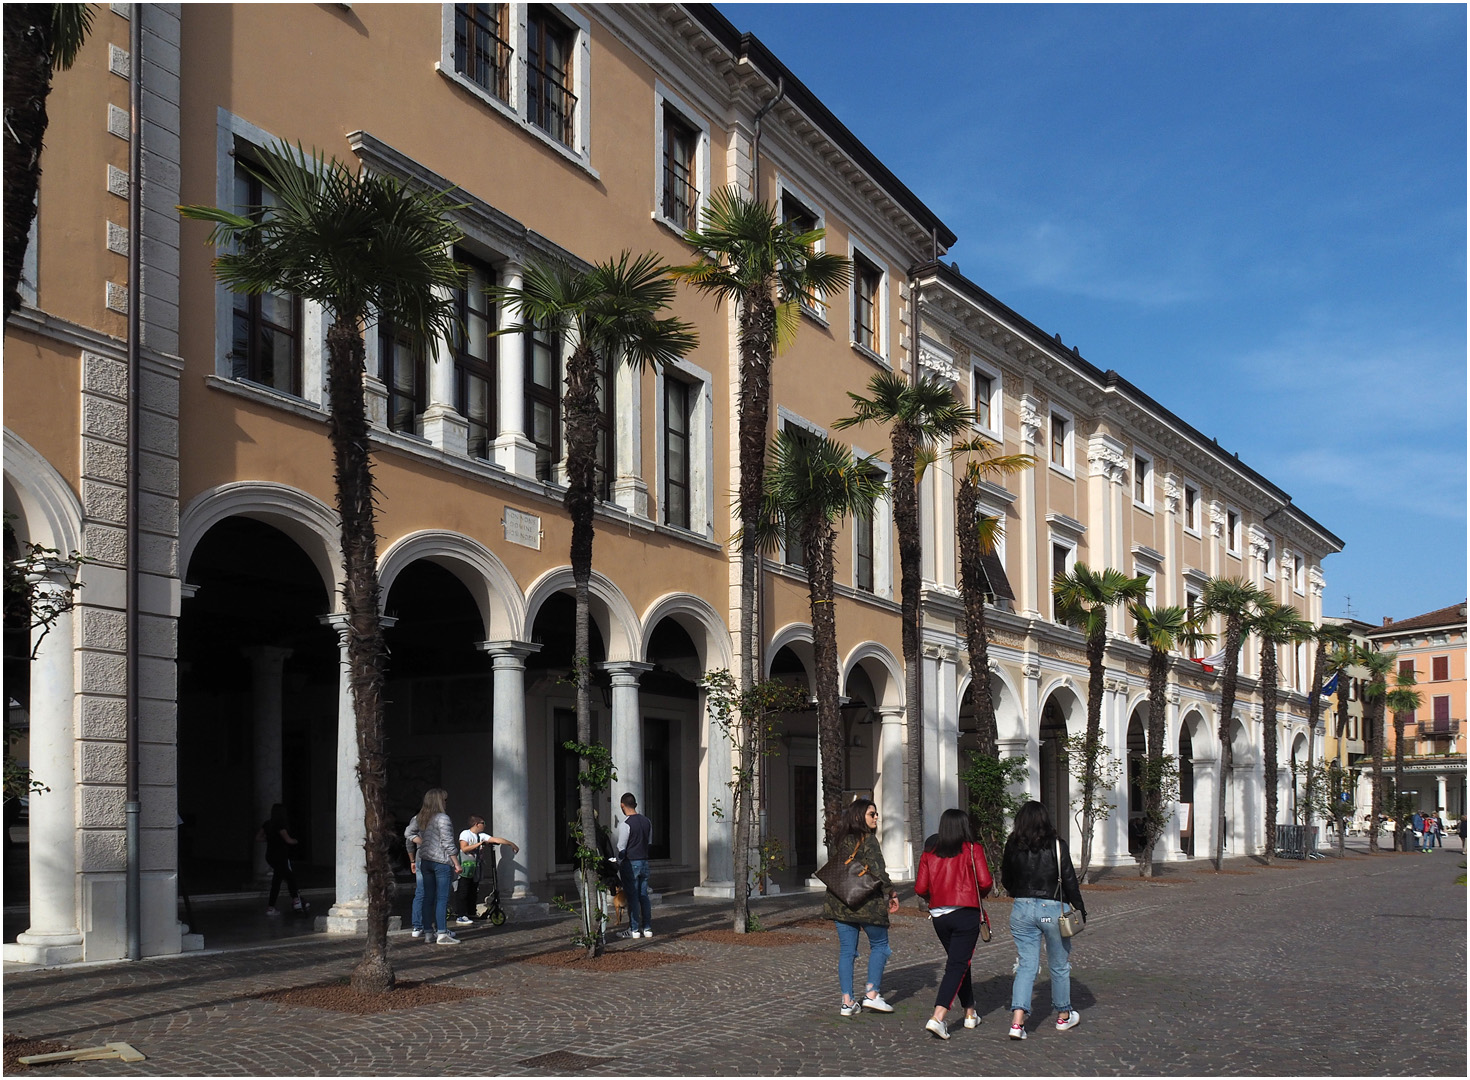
[[311, 523]]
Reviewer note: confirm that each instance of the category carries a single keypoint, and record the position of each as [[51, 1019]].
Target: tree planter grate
[[564, 1061]]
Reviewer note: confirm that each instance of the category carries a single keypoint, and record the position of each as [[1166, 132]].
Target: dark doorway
[[1052, 759]]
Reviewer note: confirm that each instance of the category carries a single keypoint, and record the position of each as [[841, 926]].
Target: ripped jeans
[[1032, 920]]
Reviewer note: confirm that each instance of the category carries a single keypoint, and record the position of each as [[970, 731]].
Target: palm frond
[[70, 25]]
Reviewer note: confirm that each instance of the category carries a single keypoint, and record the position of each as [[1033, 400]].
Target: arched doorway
[[791, 792], [1137, 751], [1055, 792], [1300, 811], [1186, 791], [668, 695], [257, 701]]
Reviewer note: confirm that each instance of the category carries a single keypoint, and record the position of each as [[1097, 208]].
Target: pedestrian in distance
[[476, 851], [953, 878], [855, 837], [434, 856], [1439, 827], [1461, 830], [276, 832], [1416, 823], [635, 834], [1036, 869]]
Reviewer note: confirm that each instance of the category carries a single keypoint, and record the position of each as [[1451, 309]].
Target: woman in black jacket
[[1036, 869]]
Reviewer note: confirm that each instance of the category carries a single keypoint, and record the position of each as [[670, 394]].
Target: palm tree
[[765, 269], [1327, 637], [919, 415], [976, 536], [40, 40], [1163, 630], [1402, 699], [1340, 660], [612, 312], [1275, 624], [1083, 598], [1374, 692], [812, 484], [1233, 600], [357, 243]]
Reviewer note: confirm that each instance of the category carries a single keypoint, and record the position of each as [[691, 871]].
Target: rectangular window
[[266, 343], [1442, 707], [543, 399], [797, 214], [1191, 603], [482, 51], [606, 462], [681, 194], [1298, 573], [1232, 531], [862, 568], [1271, 558], [984, 387], [475, 355], [1191, 508], [550, 103], [1060, 428], [1141, 469], [1059, 556], [402, 357], [1406, 667], [867, 283], [795, 550], [1440, 668], [677, 413]]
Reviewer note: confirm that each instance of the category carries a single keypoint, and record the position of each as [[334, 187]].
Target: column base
[[45, 950], [515, 453], [716, 890], [351, 918]]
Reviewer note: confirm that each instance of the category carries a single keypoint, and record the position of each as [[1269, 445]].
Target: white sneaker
[[1017, 1031], [849, 1008], [1073, 1019], [648, 933], [972, 1021], [937, 1028], [877, 1004], [446, 938], [418, 931], [464, 920]]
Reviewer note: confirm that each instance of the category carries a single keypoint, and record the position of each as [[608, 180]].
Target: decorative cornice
[[939, 360], [1032, 420], [1259, 545]]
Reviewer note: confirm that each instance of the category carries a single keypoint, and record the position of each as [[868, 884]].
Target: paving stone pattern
[[1346, 967]]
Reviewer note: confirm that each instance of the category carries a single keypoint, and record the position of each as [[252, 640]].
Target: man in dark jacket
[[634, 834]]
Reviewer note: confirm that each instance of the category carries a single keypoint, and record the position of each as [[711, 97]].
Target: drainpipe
[[135, 263]]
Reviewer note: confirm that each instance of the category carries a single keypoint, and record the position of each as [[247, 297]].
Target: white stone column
[[889, 793], [444, 426], [627, 731], [514, 452], [1441, 789], [53, 936], [267, 664], [947, 792], [929, 658], [510, 784], [719, 870]]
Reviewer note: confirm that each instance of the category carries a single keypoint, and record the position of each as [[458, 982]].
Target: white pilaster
[[889, 793]]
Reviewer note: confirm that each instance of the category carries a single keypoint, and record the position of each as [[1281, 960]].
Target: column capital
[[625, 671], [506, 653], [891, 714], [339, 621]]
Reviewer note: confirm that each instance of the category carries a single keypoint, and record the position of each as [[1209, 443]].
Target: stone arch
[[1200, 739], [1010, 717], [49, 509], [700, 621], [1243, 750], [492, 586], [615, 618], [1072, 701], [308, 521], [877, 661], [798, 637]]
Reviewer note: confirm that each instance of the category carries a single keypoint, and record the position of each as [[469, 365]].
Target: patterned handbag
[[848, 881], [1070, 922]]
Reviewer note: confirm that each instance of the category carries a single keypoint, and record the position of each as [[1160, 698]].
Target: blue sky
[[1257, 214]]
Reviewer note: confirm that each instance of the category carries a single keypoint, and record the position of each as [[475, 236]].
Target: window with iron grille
[[550, 103], [402, 357], [482, 51], [677, 413], [867, 281], [475, 355], [681, 146], [265, 345], [604, 461], [1440, 667], [543, 398]]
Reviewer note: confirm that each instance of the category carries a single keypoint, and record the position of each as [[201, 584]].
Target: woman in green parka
[[857, 828]]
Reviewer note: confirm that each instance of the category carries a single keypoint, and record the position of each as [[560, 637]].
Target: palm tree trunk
[[1343, 684], [27, 85], [819, 539], [1227, 713], [1314, 713], [1377, 733], [1097, 644], [1153, 798], [348, 431], [1269, 675], [1401, 819], [579, 406], [910, 570], [757, 346], [982, 700]]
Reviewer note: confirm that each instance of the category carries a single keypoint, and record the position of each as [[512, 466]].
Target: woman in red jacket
[[953, 877]]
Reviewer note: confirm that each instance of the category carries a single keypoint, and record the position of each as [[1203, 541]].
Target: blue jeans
[[1031, 921], [635, 891], [437, 878], [417, 917], [847, 947]]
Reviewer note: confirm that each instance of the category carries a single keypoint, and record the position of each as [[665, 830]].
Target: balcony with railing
[[480, 53], [549, 104]]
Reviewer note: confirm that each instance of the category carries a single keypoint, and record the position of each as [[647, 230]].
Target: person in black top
[[1036, 869], [633, 837], [278, 844]]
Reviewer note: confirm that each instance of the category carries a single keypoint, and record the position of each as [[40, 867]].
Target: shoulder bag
[[1070, 921], [984, 918], [848, 880]]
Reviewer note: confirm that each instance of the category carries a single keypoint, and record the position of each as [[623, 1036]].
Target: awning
[[997, 585]]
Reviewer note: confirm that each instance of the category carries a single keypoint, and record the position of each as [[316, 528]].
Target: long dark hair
[[1034, 829], [954, 833], [434, 800], [853, 823]]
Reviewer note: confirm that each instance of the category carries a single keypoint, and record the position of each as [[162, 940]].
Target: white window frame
[[1188, 487], [1299, 575], [1148, 481], [882, 535], [701, 447], [664, 98], [881, 333], [785, 187], [1270, 560], [516, 109], [1056, 540], [1141, 569], [1067, 468], [1233, 535], [996, 428], [231, 130]]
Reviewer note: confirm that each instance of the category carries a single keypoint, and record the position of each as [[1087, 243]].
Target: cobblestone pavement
[[1346, 967]]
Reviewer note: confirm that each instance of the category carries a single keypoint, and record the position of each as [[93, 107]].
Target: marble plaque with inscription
[[522, 528]]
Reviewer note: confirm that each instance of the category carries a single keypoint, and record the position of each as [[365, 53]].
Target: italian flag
[[1211, 662]]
